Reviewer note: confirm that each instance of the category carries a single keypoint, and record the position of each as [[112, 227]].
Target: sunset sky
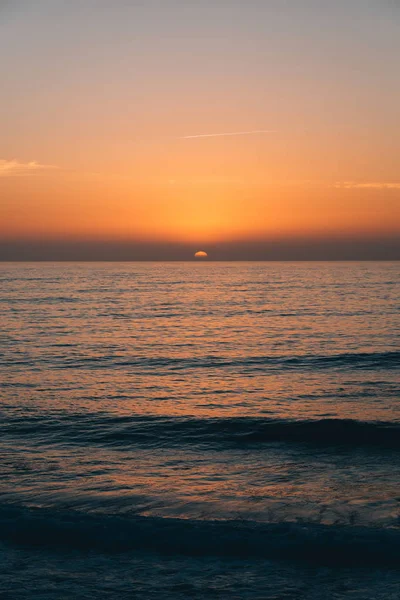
[[109, 110]]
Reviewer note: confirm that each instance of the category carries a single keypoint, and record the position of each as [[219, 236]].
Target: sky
[[150, 129]]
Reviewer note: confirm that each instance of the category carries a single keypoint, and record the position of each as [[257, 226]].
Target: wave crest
[[318, 544], [109, 430]]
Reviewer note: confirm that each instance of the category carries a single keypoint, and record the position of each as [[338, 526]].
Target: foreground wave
[[109, 430], [319, 544]]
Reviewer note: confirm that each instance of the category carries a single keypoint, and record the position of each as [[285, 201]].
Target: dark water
[[208, 430]]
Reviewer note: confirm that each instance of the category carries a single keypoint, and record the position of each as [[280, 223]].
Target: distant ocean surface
[[200, 430]]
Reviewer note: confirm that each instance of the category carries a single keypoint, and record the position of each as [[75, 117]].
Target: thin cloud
[[14, 168], [369, 185], [206, 135]]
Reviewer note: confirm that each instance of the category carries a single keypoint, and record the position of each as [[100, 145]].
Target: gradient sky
[[100, 100]]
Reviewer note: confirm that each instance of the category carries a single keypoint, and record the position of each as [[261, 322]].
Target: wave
[[347, 360], [122, 431], [358, 360], [165, 364], [319, 544]]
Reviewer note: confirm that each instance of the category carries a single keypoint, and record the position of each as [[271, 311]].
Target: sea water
[[200, 430]]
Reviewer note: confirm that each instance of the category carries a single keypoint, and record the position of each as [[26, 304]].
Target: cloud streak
[[368, 185], [207, 135], [14, 168]]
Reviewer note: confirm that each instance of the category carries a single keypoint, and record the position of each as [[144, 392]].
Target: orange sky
[[100, 98]]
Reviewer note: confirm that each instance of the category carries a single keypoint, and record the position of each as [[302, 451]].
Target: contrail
[[203, 135]]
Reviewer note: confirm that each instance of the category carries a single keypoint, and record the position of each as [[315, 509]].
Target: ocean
[[200, 430]]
